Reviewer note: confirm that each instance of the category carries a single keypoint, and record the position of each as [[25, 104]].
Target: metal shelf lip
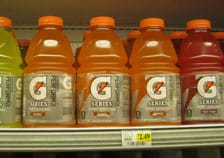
[[201, 126], [107, 138]]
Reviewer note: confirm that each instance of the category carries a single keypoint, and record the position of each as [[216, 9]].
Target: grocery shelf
[[83, 139]]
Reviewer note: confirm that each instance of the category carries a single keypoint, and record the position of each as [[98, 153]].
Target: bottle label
[[156, 98], [202, 96], [103, 98], [48, 98], [10, 99]]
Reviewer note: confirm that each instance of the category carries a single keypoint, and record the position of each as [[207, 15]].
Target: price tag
[[136, 138]]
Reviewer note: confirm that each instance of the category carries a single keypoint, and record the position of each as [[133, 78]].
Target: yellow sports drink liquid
[[155, 77], [102, 81], [10, 77], [48, 77]]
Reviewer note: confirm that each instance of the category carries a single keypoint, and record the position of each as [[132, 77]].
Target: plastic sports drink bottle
[[177, 38], [103, 81], [155, 77], [23, 46], [202, 66], [85, 35], [10, 77], [132, 36], [48, 77], [220, 37]]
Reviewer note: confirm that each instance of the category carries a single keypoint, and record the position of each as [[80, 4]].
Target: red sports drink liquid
[[23, 46], [202, 66], [155, 77]]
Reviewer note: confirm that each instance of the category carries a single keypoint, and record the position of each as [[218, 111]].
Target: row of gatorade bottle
[[108, 87]]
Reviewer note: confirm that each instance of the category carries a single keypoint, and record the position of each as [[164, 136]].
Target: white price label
[[136, 138]]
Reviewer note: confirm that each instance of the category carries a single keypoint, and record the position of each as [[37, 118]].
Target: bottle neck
[[6, 28], [93, 28], [50, 27], [198, 30], [151, 29]]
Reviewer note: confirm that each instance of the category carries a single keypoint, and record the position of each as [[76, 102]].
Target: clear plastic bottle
[[103, 80], [49, 77], [10, 77], [155, 85]]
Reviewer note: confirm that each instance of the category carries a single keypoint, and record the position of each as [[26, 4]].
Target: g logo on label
[[156, 88], [207, 87], [19, 84], [37, 89], [67, 83], [100, 88]]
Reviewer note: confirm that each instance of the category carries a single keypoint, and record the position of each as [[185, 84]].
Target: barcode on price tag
[[136, 138]]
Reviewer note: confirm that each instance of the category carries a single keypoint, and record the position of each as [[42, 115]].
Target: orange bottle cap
[[198, 23], [102, 21], [50, 20], [4, 21], [218, 35], [134, 34], [23, 42], [152, 22], [178, 34]]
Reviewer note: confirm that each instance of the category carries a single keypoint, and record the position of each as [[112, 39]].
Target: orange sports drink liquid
[[177, 37], [48, 77], [220, 37], [155, 84], [202, 75], [132, 36], [102, 78], [85, 34]]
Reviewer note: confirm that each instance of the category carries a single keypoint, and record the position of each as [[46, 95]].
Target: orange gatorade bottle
[[177, 38], [202, 65], [85, 34], [155, 78], [102, 81], [132, 36], [220, 37], [48, 77]]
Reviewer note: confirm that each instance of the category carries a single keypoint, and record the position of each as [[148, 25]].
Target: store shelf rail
[[86, 139]]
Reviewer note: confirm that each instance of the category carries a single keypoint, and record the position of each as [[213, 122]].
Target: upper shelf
[[126, 12]]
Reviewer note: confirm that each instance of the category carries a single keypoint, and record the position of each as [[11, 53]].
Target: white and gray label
[[10, 99], [107, 100], [203, 96], [48, 98], [160, 101]]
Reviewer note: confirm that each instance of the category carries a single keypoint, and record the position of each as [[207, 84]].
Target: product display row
[[136, 82]]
